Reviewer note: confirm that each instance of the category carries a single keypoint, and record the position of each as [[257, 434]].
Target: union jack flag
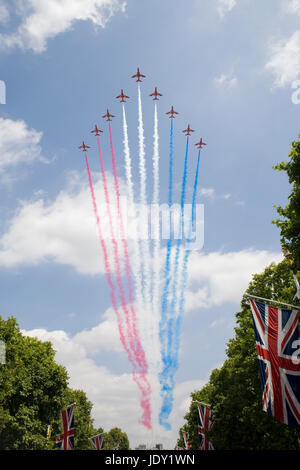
[[186, 437], [276, 336], [97, 441], [205, 423], [65, 441]]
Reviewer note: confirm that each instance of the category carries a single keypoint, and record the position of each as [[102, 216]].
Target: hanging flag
[[187, 445], [65, 441], [49, 430], [205, 423], [98, 441], [277, 339]]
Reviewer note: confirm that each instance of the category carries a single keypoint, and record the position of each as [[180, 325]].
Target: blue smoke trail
[[168, 372], [184, 268], [164, 306], [169, 245]]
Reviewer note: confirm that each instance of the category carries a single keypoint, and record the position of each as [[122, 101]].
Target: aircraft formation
[[148, 311], [122, 97]]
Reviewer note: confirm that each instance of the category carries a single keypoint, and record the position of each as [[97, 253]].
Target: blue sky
[[228, 67]]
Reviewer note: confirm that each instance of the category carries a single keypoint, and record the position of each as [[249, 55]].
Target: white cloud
[[103, 337], [63, 231], [18, 143], [4, 13], [227, 81], [284, 63], [207, 192], [225, 6], [217, 278], [42, 20], [292, 6]]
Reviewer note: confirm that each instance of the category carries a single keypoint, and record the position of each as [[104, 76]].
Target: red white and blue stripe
[[65, 441], [205, 423], [186, 437], [97, 441], [277, 339]]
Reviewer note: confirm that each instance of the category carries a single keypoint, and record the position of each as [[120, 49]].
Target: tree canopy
[[33, 391], [289, 223], [116, 439]]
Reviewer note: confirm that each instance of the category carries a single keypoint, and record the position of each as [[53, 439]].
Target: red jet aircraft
[[172, 112], [84, 147], [138, 75], [122, 96], [108, 116], [155, 94], [188, 130], [96, 131], [200, 144]]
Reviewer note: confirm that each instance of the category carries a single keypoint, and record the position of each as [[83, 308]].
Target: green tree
[[234, 390], [33, 391], [116, 438], [289, 224]]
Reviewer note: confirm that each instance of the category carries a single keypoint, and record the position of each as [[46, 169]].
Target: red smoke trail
[[106, 264], [138, 350], [138, 377], [116, 250], [142, 360]]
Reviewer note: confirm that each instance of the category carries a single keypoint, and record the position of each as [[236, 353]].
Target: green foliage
[[116, 438], [234, 390], [289, 224], [34, 390], [31, 389]]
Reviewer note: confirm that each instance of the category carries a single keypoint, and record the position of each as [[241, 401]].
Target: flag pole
[[274, 301], [202, 403]]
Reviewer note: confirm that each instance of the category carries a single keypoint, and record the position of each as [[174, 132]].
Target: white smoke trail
[[143, 202], [136, 264], [155, 225], [146, 323]]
